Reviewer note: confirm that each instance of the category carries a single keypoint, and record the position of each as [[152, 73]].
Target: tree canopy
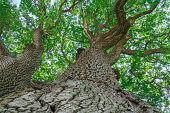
[[144, 63]]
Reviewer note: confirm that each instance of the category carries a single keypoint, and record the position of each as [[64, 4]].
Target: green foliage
[[146, 76]]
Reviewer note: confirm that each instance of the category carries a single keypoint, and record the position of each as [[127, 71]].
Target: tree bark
[[16, 73], [75, 96], [87, 86]]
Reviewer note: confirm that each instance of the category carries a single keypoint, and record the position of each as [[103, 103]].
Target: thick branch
[[115, 54], [149, 52], [152, 51], [37, 37], [123, 23], [111, 41], [119, 10], [110, 33]]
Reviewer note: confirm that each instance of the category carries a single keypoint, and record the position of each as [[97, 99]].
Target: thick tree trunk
[[16, 73], [76, 96], [88, 86]]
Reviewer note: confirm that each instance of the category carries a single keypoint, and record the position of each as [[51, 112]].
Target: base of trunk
[[75, 96]]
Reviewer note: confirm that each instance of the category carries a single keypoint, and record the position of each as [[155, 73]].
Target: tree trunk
[[87, 86], [16, 73]]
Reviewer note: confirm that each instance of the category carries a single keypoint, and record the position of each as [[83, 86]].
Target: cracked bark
[[87, 86], [16, 73], [74, 99]]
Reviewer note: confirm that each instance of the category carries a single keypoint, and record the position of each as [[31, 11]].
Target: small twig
[[62, 4], [61, 12], [147, 44]]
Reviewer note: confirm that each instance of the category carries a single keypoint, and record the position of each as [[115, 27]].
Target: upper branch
[[62, 11], [123, 24], [143, 13], [62, 4], [119, 10], [110, 33], [71, 7], [149, 52], [42, 7], [86, 30]]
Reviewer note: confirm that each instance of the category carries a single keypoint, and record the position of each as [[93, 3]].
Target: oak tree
[[122, 55]]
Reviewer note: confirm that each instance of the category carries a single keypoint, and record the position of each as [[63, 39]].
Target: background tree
[[134, 34]]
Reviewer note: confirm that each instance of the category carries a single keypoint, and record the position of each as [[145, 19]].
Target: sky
[[16, 2]]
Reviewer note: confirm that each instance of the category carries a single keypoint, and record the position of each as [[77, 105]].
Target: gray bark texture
[[87, 86], [74, 96], [16, 73]]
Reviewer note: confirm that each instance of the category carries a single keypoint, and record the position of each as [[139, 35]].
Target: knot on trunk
[[79, 51]]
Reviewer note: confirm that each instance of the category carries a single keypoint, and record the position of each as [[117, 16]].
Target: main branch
[[119, 10], [115, 54], [120, 29]]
